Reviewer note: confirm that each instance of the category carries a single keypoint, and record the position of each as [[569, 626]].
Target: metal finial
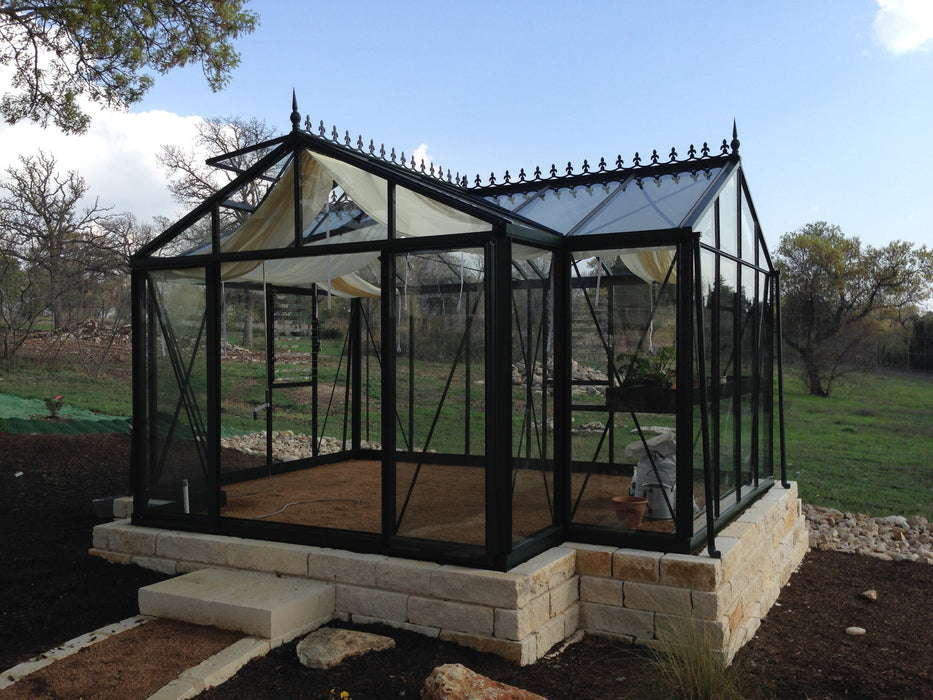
[[295, 116], [735, 139]]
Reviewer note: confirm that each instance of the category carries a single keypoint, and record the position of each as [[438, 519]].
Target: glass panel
[[177, 472], [342, 219], [194, 239], [562, 209], [623, 331], [726, 368], [440, 379], [705, 374], [650, 203], [748, 234], [242, 377], [707, 227], [512, 201], [532, 395], [748, 370], [728, 232], [767, 393]]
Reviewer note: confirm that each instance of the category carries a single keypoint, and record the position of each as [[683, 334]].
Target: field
[[868, 448]]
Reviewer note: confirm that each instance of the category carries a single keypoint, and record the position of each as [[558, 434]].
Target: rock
[[457, 682], [892, 538], [855, 631], [871, 594], [898, 520], [327, 647]]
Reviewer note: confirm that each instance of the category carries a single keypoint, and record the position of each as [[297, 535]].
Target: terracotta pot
[[630, 510]]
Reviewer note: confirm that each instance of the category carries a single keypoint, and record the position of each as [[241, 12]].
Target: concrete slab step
[[257, 604]]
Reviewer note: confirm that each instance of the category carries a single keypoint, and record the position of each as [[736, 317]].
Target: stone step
[[258, 604]]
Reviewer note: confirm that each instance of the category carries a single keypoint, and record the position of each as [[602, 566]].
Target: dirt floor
[[52, 591]]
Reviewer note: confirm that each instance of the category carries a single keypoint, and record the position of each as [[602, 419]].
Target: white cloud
[[902, 26], [420, 155], [116, 157]]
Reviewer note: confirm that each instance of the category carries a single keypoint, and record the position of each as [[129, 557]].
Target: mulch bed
[[52, 591]]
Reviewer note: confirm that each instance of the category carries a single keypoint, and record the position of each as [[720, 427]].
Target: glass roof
[[646, 203]]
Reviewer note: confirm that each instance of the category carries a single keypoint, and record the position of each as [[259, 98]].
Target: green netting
[[18, 415]]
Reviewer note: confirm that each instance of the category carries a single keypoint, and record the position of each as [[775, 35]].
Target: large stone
[[327, 647], [457, 682]]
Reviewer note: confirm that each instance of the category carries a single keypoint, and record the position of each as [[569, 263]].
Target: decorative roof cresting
[[727, 148]]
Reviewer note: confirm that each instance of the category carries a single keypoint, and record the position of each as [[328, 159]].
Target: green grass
[[867, 448]]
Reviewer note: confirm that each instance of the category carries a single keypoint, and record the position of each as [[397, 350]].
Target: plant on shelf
[[651, 367], [648, 382]]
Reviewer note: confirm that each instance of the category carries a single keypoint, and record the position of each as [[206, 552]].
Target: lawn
[[868, 447]]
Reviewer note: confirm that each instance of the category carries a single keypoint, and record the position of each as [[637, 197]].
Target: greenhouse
[[347, 349]]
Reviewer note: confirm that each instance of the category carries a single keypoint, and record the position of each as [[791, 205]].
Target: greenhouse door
[[292, 350]]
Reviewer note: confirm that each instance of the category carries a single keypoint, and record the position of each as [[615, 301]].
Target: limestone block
[[679, 630], [100, 537], [178, 689], [382, 605], [493, 588], [636, 565], [518, 624], [123, 507], [188, 567], [549, 634], [737, 529], [430, 632], [548, 569], [732, 552], [341, 566], [405, 575], [688, 571], [133, 539], [112, 557], [223, 665], [606, 591], [521, 653], [620, 621], [273, 557], [571, 617], [712, 606], [192, 546], [657, 598], [736, 616], [162, 566], [565, 595], [593, 559], [451, 615]]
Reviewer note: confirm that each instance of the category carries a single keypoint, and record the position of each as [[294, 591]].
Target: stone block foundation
[[640, 596]]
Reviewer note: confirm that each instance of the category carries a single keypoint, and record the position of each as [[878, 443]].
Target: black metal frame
[[506, 229]]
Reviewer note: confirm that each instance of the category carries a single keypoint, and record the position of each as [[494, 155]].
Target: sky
[[833, 100]]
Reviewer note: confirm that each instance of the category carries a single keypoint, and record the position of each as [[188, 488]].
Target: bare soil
[[51, 590]]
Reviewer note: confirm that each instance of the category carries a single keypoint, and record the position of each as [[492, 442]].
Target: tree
[[21, 305], [101, 49], [833, 289], [191, 180], [44, 225]]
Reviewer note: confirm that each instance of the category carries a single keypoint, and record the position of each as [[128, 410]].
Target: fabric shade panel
[[416, 215], [272, 226], [648, 264]]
